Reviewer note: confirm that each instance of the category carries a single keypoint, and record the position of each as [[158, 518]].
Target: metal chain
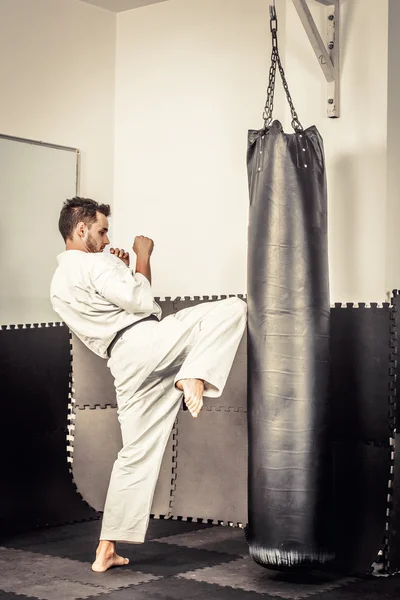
[[269, 105], [276, 60]]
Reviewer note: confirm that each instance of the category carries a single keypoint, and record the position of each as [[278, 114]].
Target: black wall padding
[[37, 489], [360, 351], [361, 474], [35, 365], [288, 349], [363, 347], [36, 485], [395, 358], [392, 550]]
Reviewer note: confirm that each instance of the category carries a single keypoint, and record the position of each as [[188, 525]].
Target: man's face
[[96, 238]]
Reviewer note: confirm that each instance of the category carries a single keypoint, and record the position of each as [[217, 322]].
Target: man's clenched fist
[[143, 246], [124, 256]]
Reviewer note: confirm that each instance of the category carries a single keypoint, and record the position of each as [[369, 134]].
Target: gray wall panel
[[235, 392], [162, 494], [211, 459], [93, 383], [96, 445], [98, 440]]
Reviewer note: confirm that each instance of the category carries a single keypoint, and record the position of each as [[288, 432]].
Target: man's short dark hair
[[77, 210]]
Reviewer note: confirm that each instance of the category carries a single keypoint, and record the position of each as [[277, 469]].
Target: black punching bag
[[288, 342]]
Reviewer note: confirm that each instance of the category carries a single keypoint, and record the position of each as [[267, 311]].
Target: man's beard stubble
[[91, 244]]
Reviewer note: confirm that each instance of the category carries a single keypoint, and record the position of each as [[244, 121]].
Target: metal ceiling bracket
[[328, 54]]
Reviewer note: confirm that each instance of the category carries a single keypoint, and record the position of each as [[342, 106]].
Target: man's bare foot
[[106, 557], [193, 390]]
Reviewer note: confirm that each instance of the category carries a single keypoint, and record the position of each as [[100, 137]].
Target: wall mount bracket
[[328, 54]]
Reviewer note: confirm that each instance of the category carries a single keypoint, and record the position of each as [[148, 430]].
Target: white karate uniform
[[146, 362], [97, 295]]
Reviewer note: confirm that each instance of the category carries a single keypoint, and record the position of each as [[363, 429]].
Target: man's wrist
[[143, 266], [143, 258]]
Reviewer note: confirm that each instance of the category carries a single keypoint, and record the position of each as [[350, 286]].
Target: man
[[112, 310]]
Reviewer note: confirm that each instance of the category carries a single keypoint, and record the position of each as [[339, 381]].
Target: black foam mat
[[35, 370], [395, 357], [37, 486], [393, 538], [35, 473], [360, 352], [361, 474]]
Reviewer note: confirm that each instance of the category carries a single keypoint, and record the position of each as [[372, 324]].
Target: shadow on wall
[[357, 222]]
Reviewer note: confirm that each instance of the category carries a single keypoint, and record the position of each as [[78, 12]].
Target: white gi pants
[[146, 362]]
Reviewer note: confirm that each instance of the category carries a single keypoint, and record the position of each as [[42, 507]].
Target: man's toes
[[199, 403], [195, 412], [119, 561], [194, 404]]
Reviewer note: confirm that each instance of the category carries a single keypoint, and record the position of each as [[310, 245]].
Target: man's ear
[[81, 229]]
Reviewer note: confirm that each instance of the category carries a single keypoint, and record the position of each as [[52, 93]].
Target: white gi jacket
[[97, 295]]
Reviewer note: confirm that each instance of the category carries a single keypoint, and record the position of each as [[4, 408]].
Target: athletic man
[[112, 310]]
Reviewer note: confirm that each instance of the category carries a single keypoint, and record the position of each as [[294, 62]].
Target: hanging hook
[[272, 10], [273, 17]]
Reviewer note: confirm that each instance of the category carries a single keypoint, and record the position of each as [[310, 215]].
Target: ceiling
[[121, 5]]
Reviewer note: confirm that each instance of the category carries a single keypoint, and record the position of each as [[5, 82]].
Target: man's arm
[[143, 266], [128, 290], [143, 247]]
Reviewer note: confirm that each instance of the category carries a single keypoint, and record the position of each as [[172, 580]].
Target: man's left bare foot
[[193, 390], [106, 557]]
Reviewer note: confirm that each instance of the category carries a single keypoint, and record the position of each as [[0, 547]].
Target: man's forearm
[[143, 266]]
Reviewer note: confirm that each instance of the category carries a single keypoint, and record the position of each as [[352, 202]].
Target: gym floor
[[179, 561]]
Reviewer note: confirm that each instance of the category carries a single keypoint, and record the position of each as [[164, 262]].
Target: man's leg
[[146, 426], [203, 341], [216, 331]]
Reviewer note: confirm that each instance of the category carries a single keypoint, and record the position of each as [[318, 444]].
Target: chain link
[[276, 60]]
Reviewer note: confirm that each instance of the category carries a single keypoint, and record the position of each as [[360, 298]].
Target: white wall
[[355, 144], [191, 81], [57, 73]]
